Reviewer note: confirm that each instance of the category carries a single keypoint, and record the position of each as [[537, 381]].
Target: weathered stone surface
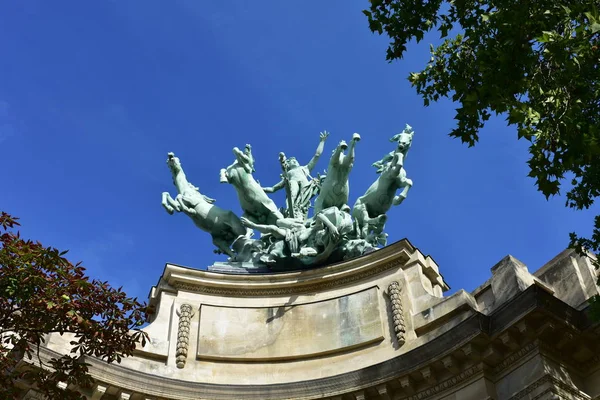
[[332, 332], [240, 268], [273, 333], [572, 277], [509, 277]]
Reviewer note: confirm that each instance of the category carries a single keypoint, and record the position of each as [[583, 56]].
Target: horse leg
[[318, 204], [169, 204], [377, 224], [223, 176], [183, 207], [235, 224], [405, 186], [223, 245], [349, 159]]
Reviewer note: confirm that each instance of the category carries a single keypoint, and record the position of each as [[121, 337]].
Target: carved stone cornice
[[573, 392], [447, 384], [286, 283], [514, 357], [566, 358]]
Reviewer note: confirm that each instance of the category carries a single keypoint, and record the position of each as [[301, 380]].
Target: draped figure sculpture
[[300, 186]]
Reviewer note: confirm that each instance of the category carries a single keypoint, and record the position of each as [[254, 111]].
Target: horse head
[[173, 163], [404, 139]]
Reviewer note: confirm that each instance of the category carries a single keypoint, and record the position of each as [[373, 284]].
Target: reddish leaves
[[42, 292]]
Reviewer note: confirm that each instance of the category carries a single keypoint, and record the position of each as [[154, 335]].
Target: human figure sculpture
[[296, 179], [312, 243], [223, 225], [370, 209], [335, 188]]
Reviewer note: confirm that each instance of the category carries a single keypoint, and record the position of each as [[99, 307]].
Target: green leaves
[[536, 62], [402, 21], [547, 37], [42, 292]]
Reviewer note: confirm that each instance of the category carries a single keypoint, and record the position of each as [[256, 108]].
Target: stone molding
[[565, 357], [397, 312], [308, 288], [514, 357], [448, 383], [544, 394], [549, 379], [286, 283], [315, 287], [185, 313]]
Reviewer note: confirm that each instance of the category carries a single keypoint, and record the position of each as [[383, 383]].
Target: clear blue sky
[[94, 94]]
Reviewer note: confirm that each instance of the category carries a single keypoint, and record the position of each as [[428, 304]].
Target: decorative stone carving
[[448, 383], [397, 312], [279, 291], [517, 355], [185, 313], [556, 386]]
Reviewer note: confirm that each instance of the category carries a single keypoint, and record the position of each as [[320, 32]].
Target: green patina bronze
[[290, 238]]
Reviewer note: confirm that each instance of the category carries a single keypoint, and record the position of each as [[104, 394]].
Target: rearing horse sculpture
[[370, 210], [255, 203], [335, 189], [223, 225]]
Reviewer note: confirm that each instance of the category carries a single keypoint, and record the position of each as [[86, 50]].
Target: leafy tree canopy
[[535, 62], [41, 292]]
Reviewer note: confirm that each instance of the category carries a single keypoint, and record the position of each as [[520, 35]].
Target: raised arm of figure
[[272, 189], [313, 161]]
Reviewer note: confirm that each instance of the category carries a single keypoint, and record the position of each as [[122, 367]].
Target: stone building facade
[[375, 327]]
